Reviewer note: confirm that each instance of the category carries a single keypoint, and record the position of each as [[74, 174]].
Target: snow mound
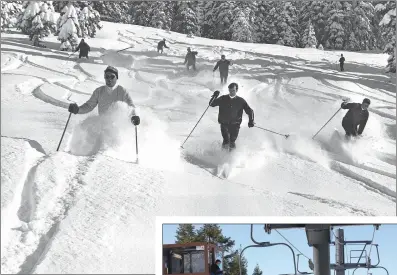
[[115, 59]]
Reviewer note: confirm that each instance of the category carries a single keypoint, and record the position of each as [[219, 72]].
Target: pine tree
[[9, 12], [233, 267], [186, 18], [388, 25], [321, 47], [69, 27], [353, 44], [317, 13], [25, 19], [260, 25], [241, 28], [140, 12], [335, 33], [218, 19], [309, 37], [114, 11], [185, 234], [287, 26], [160, 15], [89, 21], [257, 270]]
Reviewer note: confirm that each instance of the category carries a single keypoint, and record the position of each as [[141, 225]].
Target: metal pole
[[321, 259], [64, 130], [195, 126], [340, 251], [136, 144], [326, 123]]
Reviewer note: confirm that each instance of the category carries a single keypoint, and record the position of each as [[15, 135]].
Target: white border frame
[[160, 220]]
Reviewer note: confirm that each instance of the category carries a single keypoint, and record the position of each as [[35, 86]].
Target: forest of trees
[[352, 26], [212, 233]]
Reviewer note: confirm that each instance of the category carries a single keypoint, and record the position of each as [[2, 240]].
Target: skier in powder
[[161, 45], [341, 62], [223, 65], [215, 269], [190, 59], [356, 116], [230, 115], [105, 95], [84, 49]]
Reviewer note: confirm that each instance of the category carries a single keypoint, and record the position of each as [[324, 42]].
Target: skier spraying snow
[[341, 62], [84, 49], [190, 59], [104, 96], [223, 65], [356, 116], [161, 45], [230, 115]]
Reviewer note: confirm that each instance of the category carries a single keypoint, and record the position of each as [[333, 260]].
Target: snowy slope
[[90, 208]]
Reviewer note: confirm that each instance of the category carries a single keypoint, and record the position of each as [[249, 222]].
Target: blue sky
[[278, 259]]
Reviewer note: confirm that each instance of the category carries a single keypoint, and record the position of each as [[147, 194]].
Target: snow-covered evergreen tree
[[113, 11], [70, 29], [218, 19], [186, 18], [242, 30], [388, 25], [260, 25], [160, 15], [317, 13], [140, 12], [353, 44], [287, 26], [359, 21], [320, 47], [335, 33], [309, 39], [89, 21], [9, 13], [25, 19]]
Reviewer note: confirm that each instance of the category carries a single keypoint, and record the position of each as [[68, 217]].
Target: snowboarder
[[105, 95], [356, 116], [341, 62], [84, 49], [161, 45], [223, 65], [215, 269], [230, 115], [190, 59]]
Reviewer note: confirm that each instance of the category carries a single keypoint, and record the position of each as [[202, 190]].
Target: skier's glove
[[73, 108], [216, 94], [251, 124], [135, 120]]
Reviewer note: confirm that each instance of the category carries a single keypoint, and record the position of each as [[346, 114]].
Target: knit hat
[[112, 69], [366, 100]]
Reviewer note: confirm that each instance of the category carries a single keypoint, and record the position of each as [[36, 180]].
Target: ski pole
[[136, 143], [64, 130], [286, 136], [124, 49], [326, 123], [195, 125]]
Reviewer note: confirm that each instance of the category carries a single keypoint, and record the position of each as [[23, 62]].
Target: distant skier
[[190, 59], [104, 96], [223, 65], [356, 116], [230, 115], [84, 49], [161, 45], [215, 269], [341, 62]]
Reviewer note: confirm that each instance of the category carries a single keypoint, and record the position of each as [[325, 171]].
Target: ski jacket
[[191, 57], [104, 99], [355, 116], [231, 109], [342, 60], [223, 66], [84, 48], [161, 44]]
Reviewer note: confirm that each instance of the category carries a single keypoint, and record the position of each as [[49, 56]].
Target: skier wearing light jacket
[[230, 115], [356, 116], [105, 96]]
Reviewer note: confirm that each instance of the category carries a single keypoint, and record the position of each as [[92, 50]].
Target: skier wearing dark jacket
[[341, 62], [223, 65], [356, 116], [84, 49], [215, 269], [230, 115], [190, 59], [161, 45]]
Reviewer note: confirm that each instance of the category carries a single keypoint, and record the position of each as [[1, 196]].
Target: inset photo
[[275, 249]]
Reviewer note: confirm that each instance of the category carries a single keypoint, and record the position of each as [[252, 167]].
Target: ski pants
[[223, 76], [229, 134], [188, 65], [160, 50], [341, 67], [350, 129], [83, 55]]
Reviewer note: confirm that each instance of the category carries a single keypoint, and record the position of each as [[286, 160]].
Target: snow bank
[[115, 59]]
